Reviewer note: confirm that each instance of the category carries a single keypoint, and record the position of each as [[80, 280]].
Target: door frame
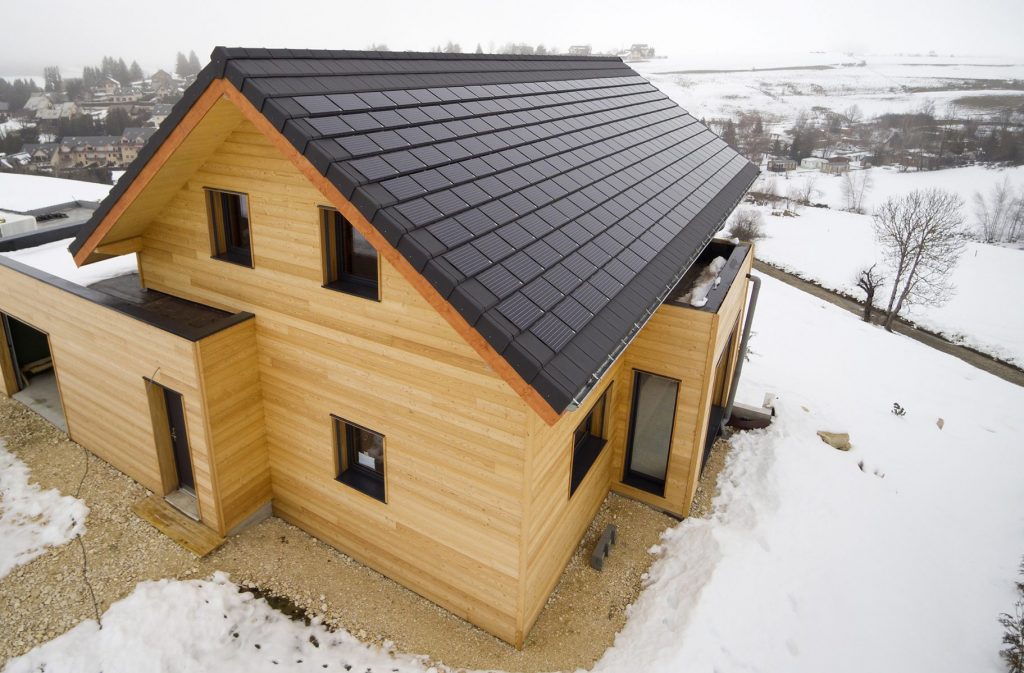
[[169, 478], [12, 376], [637, 480]]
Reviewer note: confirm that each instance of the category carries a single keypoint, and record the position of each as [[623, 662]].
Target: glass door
[[650, 431]]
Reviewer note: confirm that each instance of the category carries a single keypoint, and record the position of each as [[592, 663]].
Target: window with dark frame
[[360, 458], [350, 262], [230, 237], [587, 441]]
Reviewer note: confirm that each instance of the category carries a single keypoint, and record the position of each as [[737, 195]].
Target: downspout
[[742, 355]]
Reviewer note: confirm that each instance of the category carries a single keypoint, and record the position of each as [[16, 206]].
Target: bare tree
[[746, 225], [921, 237], [869, 280], [805, 190], [855, 187], [853, 114], [998, 213]]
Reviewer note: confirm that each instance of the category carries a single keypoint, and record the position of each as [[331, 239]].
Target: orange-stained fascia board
[[221, 88]]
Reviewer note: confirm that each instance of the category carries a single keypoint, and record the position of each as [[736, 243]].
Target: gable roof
[[553, 201]]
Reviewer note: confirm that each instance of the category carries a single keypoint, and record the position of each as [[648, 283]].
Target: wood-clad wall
[[102, 358], [454, 431], [228, 366]]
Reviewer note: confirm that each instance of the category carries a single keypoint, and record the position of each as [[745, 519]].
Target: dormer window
[[230, 237], [350, 262]]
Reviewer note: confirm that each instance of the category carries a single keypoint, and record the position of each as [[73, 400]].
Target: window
[[650, 431], [229, 226], [360, 458], [587, 442], [350, 262]]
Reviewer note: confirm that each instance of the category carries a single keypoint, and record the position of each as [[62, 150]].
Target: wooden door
[[179, 439]]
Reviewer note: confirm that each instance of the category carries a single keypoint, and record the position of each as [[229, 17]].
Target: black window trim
[[345, 283], [356, 476], [589, 446], [231, 255], [636, 480]]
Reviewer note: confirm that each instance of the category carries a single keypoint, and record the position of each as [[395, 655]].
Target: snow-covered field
[[896, 556], [787, 84], [831, 247], [31, 518]]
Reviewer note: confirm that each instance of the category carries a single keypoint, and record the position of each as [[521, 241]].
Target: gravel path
[[48, 596]]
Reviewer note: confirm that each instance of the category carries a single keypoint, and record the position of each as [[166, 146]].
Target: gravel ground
[[48, 596], [707, 487]]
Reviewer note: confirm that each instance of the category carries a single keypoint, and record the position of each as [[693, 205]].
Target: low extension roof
[[554, 201]]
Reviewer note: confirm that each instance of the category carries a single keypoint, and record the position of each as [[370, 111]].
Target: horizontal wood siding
[[229, 370], [454, 430], [102, 358]]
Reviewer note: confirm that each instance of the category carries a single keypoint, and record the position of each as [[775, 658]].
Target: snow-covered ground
[[895, 556], [831, 247], [54, 258], [786, 84], [21, 192], [31, 518]]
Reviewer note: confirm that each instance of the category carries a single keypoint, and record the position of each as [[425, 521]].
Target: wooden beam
[[10, 378], [389, 252], [118, 248]]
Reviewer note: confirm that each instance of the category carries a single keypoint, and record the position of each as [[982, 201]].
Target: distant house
[[639, 52], [813, 163], [89, 151], [837, 165], [579, 50], [37, 102], [162, 81], [41, 155], [108, 86], [59, 111], [132, 140], [160, 113], [781, 164]]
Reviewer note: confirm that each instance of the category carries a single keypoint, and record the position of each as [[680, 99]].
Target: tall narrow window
[[650, 431], [587, 442], [360, 457], [350, 262], [230, 238]]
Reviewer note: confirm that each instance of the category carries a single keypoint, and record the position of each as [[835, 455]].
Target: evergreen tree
[[16, 93], [74, 88], [116, 121], [182, 65], [135, 71], [121, 73], [194, 66], [479, 49], [51, 75]]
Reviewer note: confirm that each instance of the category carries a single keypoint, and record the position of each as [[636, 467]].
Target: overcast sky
[[72, 33]]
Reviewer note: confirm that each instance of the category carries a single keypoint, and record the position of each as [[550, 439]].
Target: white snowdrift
[[32, 519], [809, 563], [54, 258], [23, 192], [706, 281]]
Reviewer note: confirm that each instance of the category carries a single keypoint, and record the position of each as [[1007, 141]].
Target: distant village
[[92, 127]]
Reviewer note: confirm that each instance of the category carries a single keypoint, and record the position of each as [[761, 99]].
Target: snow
[[831, 247], [31, 518], [809, 561], [23, 193], [887, 181], [790, 83], [54, 258], [706, 281]]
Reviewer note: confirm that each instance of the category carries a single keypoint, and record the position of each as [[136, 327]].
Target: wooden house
[[423, 306]]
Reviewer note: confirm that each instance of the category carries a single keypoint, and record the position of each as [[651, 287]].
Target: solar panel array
[[551, 200]]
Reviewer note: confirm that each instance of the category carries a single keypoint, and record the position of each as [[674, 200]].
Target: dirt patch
[[707, 487], [48, 596]]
